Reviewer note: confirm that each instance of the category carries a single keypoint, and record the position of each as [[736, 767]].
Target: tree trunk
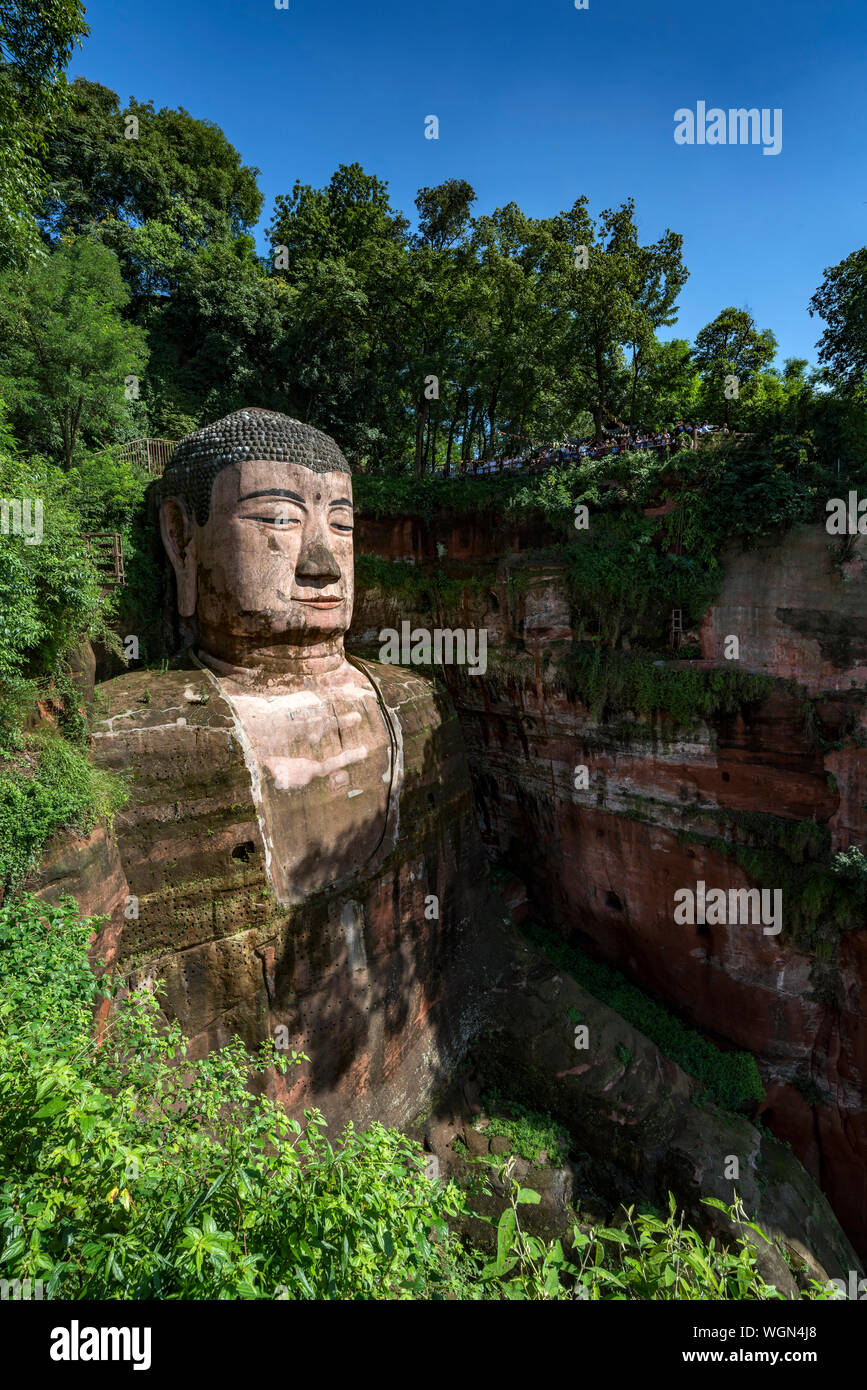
[[634, 388], [468, 435], [492, 421], [600, 390], [448, 463], [420, 418]]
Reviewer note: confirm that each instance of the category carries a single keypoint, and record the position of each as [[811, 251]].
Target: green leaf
[[52, 1107], [505, 1233]]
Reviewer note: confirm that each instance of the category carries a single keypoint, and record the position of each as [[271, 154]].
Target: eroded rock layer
[[668, 805]]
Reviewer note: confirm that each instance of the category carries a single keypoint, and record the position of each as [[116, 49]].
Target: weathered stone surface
[[614, 860], [604, 864], [380, 995], [634, 1112], [797, 609], [82, 666]]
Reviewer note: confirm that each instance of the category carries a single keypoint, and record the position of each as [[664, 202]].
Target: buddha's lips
[[311, 602]]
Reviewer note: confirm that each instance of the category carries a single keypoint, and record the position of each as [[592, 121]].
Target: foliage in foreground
[[131, 1171], [648, 1258]]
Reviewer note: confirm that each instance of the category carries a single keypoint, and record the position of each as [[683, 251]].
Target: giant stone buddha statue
[[300, 843], [257, 520]]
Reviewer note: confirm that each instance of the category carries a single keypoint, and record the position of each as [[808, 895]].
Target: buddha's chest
[[322, 768]]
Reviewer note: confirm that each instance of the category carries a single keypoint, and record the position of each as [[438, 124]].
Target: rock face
[[639, 1119], [383, 997], [798, 609], [376, 976], [667, 806]]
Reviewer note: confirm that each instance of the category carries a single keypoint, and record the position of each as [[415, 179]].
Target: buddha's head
[[256, 517]]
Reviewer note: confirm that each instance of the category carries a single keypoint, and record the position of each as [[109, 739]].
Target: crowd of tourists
[[543, 456]]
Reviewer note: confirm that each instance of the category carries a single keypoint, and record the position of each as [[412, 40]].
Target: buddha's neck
[[286, 666]]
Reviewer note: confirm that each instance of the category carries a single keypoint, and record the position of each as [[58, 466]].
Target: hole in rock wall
[[612, 900], [244, 852], [726, 777]]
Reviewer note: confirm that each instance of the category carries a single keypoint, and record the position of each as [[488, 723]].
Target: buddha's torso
[[321, 762]]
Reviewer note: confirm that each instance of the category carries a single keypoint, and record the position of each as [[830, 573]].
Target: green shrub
[[621, 583], [111, 495], [610, 683], [106, 491], [428, 589], [649, 1257], [51, 598], [850, 864], [131, 1170], [50, 784], [529, 1132], [49, 592]]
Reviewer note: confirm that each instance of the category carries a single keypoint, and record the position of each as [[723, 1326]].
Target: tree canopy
[[36, 42], [419, 343]]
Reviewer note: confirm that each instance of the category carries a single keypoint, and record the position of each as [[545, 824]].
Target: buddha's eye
[[280, 521], [340, 526]]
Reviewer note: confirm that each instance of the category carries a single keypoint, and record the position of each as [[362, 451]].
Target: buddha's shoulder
[[416, 700], [187, 699], [183, 696]]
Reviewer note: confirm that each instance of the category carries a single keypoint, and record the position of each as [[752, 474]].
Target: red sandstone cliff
[[603, 864]]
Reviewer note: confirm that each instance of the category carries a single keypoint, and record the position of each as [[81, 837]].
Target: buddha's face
[[273, 563]]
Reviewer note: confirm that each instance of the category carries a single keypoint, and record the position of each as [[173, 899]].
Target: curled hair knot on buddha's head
[[245, 434]]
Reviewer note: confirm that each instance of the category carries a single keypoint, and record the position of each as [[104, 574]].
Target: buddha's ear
[[179, 539]]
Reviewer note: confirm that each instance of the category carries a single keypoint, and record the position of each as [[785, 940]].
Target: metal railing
[[533, 460], [150, 454]]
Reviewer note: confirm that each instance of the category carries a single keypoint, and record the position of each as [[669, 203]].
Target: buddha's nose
[[317, 562]]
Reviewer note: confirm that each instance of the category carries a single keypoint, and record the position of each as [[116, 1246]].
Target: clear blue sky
[[538, 103]]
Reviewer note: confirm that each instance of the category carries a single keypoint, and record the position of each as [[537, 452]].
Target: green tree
[[510, 349], [431, 291], [36, 42], [608, 293], [841, 300], [217, 339], [661, 275], [444, 213], [731, 346], [342, 253], [668, 386], [177, 170], [66, 349]]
